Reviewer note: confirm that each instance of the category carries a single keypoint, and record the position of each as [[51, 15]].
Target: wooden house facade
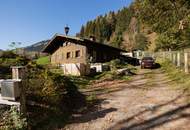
[[75, 54]]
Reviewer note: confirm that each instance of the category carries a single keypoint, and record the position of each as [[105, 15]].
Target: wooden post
[[22, 98], [186, 62], [174, 58], [164, 55], [171, 57], [170, 54], [178, 59], [18, 73]]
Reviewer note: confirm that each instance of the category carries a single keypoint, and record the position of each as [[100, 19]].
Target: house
[[74, 54]]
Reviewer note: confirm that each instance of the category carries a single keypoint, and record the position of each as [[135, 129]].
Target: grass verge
[[177, 75]]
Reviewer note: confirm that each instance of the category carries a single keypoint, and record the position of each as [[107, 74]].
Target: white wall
[[76, 69]]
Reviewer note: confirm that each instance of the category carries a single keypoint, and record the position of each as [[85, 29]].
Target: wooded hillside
[[145, 24], [37, 47]]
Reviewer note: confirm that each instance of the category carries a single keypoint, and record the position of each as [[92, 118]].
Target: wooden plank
[[186, 62], [178, 59], [6, 102]]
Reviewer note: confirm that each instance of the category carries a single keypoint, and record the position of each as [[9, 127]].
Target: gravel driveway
[[148, 101]]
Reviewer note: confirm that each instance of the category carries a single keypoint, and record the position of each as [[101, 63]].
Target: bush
[[115, 64], [43, 85], [6, 63], [8, 54], [55, 95], [13, 120]]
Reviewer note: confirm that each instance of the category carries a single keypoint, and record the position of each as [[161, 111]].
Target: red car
[[147, 62]]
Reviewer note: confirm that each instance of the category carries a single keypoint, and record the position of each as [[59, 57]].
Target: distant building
[[74, 54]]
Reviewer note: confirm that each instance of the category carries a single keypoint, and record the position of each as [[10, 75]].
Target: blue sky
[[30, 21]]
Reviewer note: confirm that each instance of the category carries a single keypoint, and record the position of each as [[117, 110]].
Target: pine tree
[[160, 16], [81, 34]]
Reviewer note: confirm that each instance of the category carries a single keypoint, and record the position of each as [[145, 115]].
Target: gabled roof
[[59, 39]]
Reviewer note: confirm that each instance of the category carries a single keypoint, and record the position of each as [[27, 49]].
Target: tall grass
[[177, 75]]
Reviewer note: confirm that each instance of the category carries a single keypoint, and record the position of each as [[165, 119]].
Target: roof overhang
[[58, 40]]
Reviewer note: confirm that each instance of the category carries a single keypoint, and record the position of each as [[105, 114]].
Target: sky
[[31, 21]]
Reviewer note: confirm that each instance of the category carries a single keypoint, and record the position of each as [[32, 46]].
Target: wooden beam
[[7, 102]]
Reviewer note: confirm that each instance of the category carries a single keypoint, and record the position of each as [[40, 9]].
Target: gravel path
[[147, 102]]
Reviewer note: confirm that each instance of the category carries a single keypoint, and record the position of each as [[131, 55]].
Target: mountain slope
[[37, 47]]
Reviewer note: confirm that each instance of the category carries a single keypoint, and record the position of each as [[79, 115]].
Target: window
[[68, 55], [77, 53]]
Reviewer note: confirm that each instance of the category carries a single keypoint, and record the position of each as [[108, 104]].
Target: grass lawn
[[43, 60]]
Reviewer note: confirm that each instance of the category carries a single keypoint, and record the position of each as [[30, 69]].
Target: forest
[[146, 25]]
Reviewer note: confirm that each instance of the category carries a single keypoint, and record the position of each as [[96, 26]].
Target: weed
[[179, 77], [91, 97]]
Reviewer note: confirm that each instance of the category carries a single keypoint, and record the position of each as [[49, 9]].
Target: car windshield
[[147, 58]]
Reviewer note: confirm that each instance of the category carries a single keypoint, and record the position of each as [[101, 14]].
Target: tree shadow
[[74, 99], [130, 60], [92, 116], [161, 119], [166, 117], [156, 66]]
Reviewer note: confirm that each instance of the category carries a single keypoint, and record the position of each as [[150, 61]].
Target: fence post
[[178, 59], [164, 55], [174, 58], [186, 62], [170, 53]]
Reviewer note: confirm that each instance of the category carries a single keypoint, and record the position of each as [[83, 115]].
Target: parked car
[[147, 62]]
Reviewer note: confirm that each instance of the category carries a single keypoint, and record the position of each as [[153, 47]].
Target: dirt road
[[149, 101]]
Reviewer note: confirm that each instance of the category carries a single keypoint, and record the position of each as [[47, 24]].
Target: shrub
[[13, 120], [8, 54], [54, 95], [43, 85], [6, 63], [114, 64]]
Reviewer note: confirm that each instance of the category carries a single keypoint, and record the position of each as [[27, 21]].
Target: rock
[[124, 71]]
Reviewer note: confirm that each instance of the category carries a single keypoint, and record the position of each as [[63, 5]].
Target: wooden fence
[[180, 59]]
